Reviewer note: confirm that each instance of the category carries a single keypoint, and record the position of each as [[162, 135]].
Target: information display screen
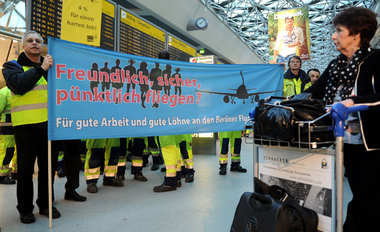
[[107, 34], [180, 50], [138, 37], [46, 18]]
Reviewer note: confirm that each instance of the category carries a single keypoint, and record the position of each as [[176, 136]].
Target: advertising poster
[[307, 177], [289, 35], [97, 93], [81, 21]]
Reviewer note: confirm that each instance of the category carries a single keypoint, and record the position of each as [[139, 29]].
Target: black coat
[[367, 92], [18, 81]]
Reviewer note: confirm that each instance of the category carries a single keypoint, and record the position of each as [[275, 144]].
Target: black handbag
[[309, 218], [274, 122], [280, 121]]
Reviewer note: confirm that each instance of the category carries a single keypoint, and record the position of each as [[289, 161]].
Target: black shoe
[[140, 177], [179, 183], [61, 173], [163, 169], [27, 218], [189, 177], [223, 170], [121, 177], [155, 167], [115, 182], [55, 213], [7, 180], [182, 175], [14, 176], [238, 168], [91, 188], [74, 196], [164, 188]]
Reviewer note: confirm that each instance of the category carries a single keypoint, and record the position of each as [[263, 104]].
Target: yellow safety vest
[[293, 87], [31, 107], [5, 93]]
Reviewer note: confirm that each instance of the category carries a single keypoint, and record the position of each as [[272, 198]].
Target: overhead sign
[[180, 50], [203, 59], [107, 36], [138, 96], [46, 18], [139, 37]]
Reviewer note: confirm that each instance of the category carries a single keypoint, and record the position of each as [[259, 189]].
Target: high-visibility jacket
[[294, 87], [295, 84], [31, 107], [6, 127]]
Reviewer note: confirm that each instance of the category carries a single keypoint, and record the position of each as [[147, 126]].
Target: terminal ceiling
[[248, 19]]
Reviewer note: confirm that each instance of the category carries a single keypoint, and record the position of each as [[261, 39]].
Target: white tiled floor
[[206, 205]]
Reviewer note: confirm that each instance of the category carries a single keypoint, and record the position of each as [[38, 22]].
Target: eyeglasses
[[38, 41]]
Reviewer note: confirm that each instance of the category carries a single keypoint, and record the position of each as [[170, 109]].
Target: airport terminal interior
[[208, 204], [203, 31]]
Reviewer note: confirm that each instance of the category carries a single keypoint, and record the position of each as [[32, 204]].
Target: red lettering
[[171, 81], [62, 95], [105, 74], [98, 95], [69, 71], [59, 71], [195, 82], [181, 99], [173, 100], [126, 97], [179, 80], [108, 94], [87, 96], [161, 80], [123, 76], [148, 94], [188, 82], [115, 77], [164, 99], [127, 76], [80, 74], [135, 80], [143, 78]]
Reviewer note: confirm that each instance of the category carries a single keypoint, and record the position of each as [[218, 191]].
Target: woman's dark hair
[[358, 20], [313, 69]]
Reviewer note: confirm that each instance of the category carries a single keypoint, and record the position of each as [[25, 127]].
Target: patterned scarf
[[343, 75]]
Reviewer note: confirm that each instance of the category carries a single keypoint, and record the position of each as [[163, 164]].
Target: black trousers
[[32, 143], [363, 173], [71, 149]]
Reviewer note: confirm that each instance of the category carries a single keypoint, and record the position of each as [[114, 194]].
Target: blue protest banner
[[96, 93]]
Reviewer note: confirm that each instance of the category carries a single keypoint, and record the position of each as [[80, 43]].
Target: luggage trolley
[[303, 150]]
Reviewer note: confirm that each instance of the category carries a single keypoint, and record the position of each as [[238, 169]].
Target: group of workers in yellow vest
[[25, 97]]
